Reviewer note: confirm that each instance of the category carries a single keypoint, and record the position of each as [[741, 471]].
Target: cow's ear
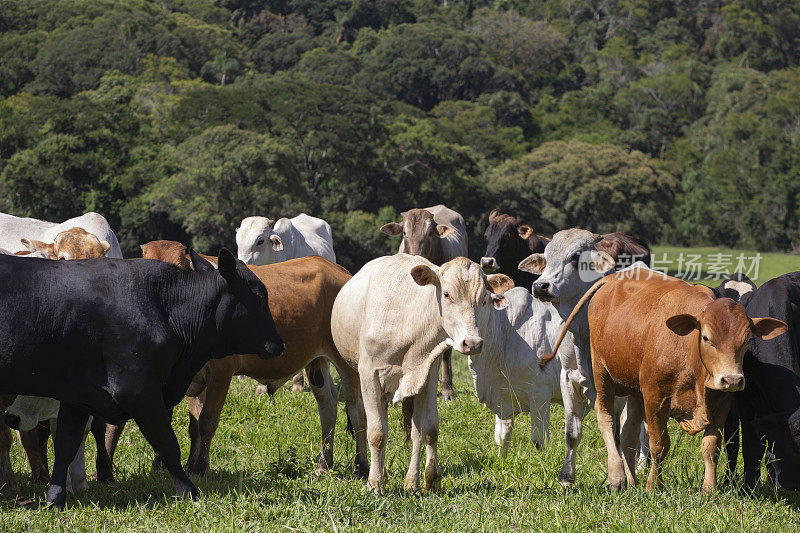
[[443, 230], [499, 301], [227, 265], [499, 283], [683, 324], [39, 246], [602, 261], [392, 228], [767, 328], [198, 263], [534, 263], [105, 246], [277, 243], [424, 275], [493, 215], [525, 231]]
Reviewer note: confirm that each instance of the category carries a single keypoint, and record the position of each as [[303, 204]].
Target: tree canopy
[[678, 122]]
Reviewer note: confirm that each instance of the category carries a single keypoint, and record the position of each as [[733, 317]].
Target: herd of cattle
[[93, 341]]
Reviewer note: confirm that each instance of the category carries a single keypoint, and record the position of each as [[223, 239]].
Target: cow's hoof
[[411, 483], [433, 479], [197, 468], [448, 395], [616, 486], [104, 476], [375, 487], [262, 389], [361, 468], [566, 479], [56, 497]]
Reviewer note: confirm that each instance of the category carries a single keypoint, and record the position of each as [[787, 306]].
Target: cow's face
[[170, 252], [569, 265], [26, 412], [74, 243], [257, 243], [464, 293], [724, 331], [504, 239], [247, 318], [419, 230]]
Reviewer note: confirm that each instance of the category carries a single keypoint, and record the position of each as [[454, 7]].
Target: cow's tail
[[546, 358], [408, 412]]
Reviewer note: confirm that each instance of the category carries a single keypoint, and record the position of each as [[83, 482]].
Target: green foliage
[[600, 187], [223, 175], [674, 121]]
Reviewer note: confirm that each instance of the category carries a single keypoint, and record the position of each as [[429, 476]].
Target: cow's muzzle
[[541, 290], [731, 382], [11, 420], [470, 346], [272, 349], [489, 264]]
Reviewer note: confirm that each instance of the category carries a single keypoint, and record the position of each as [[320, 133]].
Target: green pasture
[[262, 478]]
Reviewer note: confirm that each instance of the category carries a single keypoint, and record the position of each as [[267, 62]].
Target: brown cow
[[301, 296], [674, 351]]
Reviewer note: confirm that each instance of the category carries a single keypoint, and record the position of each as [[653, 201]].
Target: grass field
[[263, 462]]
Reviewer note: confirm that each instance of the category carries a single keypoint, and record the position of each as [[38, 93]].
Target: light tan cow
[[74, 243], [392, 321]]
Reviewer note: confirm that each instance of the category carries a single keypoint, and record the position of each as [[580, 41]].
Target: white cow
[[14, 229], [392, 321], [262, 241], [508, 379], [30, 410]]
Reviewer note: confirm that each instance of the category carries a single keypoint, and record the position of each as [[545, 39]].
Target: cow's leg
[[154, 422], [412, 475], [71, 429], [540, 415], [327, 396], [606, 414], [356, 417], [657, 416], [502, 433], [8, 481], [753, 449], [730, 436], [76, 478], [377, 429], [630, 436], [103, 464], [430, 432], [195, 404], [217, 386], [297, 382], [33, 447], [710, 447], [575, 408], [158, 463], [447, 376], [112, 438]]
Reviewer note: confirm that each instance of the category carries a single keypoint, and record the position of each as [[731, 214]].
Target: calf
[[392, 322], [439, 235], [302, 292], [508, 379], [123, 339], [14, 229], [508, 243], [674, 351]]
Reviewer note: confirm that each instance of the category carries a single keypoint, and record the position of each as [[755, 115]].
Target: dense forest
[[676, 121]]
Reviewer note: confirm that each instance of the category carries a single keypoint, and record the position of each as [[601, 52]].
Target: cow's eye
[[705, 339], [259, 242], [575, 257], [447, 296]]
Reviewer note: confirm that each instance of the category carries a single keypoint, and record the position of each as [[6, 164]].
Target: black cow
[[769, 406], [123, 339], [508, 243]]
